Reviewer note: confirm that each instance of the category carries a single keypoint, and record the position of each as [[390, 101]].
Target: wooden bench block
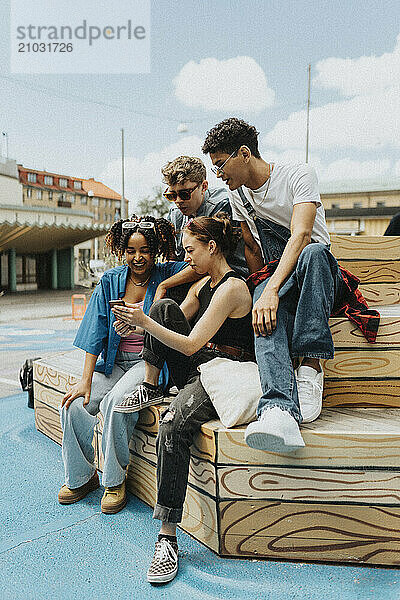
[[346, 334], [302, 531], [338, 499], [47, 421], [365, 247], [369, 363], [339, 438], [374, 271], [374, 260], [380, 294], [309, 484], [383, 393]]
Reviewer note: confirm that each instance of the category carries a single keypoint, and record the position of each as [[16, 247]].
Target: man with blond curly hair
[[188, 190]]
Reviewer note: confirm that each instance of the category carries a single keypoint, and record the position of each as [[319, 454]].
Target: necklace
[[141, 284], [270, 169]]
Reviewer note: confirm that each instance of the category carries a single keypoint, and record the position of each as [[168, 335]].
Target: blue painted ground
[[53, 552], [14, 337]]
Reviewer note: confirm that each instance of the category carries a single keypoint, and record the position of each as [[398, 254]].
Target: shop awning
[[32, 239]]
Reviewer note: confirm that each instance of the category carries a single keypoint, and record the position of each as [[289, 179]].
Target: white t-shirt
[[287, 186]]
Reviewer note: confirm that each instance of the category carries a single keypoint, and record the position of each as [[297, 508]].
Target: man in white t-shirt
[[283, 225]]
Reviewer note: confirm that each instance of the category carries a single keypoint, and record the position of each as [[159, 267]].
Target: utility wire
[[76, 98], [63, 96]]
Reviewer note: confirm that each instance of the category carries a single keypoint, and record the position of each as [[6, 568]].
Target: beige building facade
[[50, 225], [360, 207]]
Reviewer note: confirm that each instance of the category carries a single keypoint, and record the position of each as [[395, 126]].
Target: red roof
[[99, 189]]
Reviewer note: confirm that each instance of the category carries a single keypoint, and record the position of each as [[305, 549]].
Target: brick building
[[49, 224]]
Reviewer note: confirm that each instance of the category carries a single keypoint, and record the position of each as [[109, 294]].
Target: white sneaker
[[276, 431], [310, 386]]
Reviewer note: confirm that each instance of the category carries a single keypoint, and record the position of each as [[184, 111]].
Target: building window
[[335, 205], [51, 195], [380, 203], [78, 185], [39, 194], [357, 204], [32, 177], [62, 196], [109, 203], [48, 180], [95, 201], [71, 198], [63, 182], [83, 200], [29, 192]]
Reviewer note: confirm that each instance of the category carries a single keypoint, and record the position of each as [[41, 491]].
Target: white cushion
[[234, 389]]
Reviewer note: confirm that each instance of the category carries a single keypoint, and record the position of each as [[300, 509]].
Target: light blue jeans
[[78, 423]]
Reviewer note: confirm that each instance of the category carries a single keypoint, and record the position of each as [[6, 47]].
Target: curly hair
[[184, 168], [160, 238], [229, 135], [218, 228]]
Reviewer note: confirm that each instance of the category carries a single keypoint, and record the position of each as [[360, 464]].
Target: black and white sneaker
[[145, 395], [164, 565]]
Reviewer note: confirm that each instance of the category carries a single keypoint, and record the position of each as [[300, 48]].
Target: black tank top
[[233, 332]]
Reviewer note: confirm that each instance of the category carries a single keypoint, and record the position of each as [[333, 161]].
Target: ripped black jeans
[[185, 415]]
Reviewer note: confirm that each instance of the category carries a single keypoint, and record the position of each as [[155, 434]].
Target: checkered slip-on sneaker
[[141, 398], [164, 565]]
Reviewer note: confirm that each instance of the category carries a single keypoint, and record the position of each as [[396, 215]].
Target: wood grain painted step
[[310, 485], [339, 438], [381, 294], [303, 531], [346, 334], [383, 393], [365, 247]]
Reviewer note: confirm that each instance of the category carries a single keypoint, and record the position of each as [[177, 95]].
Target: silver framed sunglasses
[[138, 225], [220, 170]]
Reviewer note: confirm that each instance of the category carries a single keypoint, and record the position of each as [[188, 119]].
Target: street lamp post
[[123, 215]]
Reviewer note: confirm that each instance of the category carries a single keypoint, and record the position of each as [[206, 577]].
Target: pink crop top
[[134, 341]]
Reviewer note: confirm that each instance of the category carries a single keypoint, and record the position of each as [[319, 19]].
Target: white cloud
[[363, 122], [334, 170], [396, 169], [364, 75], [236, 84], [346, 168], [143, 174], [368, 119]]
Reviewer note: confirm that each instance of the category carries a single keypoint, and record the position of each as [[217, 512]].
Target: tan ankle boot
[[69, 496], [114, 499]]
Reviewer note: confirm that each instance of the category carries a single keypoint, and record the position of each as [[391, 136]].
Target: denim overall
[[306, 300]]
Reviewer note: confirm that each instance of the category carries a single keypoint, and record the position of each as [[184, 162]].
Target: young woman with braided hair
[[140, 241], [219, 308]]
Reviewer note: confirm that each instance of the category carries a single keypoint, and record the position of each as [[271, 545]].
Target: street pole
[[123, 215], [5, 139], [308, 111]]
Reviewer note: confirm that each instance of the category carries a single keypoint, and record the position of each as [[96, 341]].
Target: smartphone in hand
[[118, 302]]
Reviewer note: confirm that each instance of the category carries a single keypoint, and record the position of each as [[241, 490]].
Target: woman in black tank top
[[214, 319]]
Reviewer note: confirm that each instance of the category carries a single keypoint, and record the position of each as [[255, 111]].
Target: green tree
[[155, 204]]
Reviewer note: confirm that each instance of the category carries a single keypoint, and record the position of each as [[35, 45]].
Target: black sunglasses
[[182, 194]]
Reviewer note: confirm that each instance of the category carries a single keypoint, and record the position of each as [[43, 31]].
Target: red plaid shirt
[[355, 307]]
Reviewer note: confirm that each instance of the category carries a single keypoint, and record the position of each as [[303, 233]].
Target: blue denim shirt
[[96, 333]]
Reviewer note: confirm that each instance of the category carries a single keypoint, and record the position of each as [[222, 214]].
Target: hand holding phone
[[118, 302]]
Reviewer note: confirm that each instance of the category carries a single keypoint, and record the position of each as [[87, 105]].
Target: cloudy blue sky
[[211, 60]]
